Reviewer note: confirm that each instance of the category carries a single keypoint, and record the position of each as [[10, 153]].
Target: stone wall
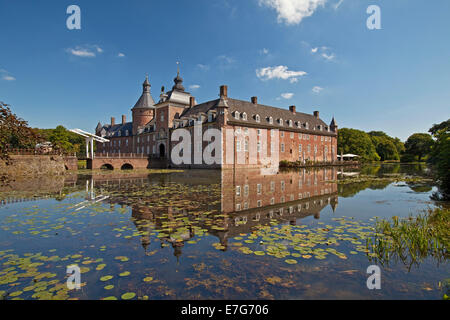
[[33, 165]]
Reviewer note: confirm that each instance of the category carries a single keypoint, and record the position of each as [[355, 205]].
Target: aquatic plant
[[413, 239]]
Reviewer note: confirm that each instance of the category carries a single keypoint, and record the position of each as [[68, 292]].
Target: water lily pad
[[128, 295]]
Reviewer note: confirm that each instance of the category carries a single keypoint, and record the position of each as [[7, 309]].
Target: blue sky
[[396, 79]]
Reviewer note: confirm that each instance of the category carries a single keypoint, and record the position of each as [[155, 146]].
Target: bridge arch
[[107, 166], [127, 166]]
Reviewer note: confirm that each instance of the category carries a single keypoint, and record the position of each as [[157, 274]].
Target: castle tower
[[333, 125], [144, 110]]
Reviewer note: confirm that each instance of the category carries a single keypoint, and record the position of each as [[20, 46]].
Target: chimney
[[113, 121], [255, 100], [224, 91], [316, 114], [124, 119], [292, 109], [191, 102]]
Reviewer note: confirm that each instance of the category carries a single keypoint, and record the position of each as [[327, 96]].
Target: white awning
[[349, 155]]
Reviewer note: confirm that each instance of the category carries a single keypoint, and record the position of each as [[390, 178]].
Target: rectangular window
[[259, 188], [282, 185], [282, 147], [272, 186], [246, 190], [238, 145], [238, 190]]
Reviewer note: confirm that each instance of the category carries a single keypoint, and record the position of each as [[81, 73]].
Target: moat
[[210, 234]]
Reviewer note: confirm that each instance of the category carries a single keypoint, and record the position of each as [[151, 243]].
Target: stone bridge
[[118, 162]]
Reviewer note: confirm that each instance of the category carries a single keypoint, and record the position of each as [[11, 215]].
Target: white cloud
[[293, 11], [287, 95], [337, 5], [8, 78], [203, 67], [323, 52], [225, 59], [264, 51], [121, 55], [317, 89], [85, 51], [279, 72], [328, 57], [5, 75], [194, 87]]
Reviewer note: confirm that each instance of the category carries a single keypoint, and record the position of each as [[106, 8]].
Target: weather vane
[[178, 67]]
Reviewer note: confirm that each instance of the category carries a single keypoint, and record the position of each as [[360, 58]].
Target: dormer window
[[236, 115], [257, 118], [127, 133], [306, 125], [290, 123], [244, 116], [280, 122], [270, 120]]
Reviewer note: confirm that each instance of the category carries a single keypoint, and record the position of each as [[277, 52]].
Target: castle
[[298, 136]]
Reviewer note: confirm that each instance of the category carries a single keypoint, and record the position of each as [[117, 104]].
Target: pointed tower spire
[[178, 80], [146, 85]]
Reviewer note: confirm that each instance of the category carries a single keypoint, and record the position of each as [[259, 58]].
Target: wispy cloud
[[5, 75], [279, 72], [121, 55], [287, 95], [293, 12], [88, 51], [194, 87], [225, 59], [338, 4], [225, 62], [264, 51], [203, 67], [317, 89], [323, 52]]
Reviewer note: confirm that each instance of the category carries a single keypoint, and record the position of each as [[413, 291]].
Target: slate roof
[[113, 131], [264, 112], [145, 101]]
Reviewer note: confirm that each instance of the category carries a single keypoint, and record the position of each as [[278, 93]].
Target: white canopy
[[349, 155]]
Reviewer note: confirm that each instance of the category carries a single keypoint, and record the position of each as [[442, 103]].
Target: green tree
[[419, 145], [385, 151], [385, 148], [440, 157], [63, 139], [357, 142], [14, 132]]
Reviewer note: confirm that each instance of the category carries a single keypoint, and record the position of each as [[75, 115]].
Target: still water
[[231, 234]]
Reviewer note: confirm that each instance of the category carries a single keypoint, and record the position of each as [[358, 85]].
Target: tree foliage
[[15, 132], [63, 139], [440, 157], [357, 142], [419, 145]]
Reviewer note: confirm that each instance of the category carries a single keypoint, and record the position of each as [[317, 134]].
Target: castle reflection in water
[[237, 201]]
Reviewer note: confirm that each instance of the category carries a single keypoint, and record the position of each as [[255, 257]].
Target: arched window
[[236, 115], [270, 120], [257, 118], [280, 122], [244, 116], [306, 125], [290, 123]]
